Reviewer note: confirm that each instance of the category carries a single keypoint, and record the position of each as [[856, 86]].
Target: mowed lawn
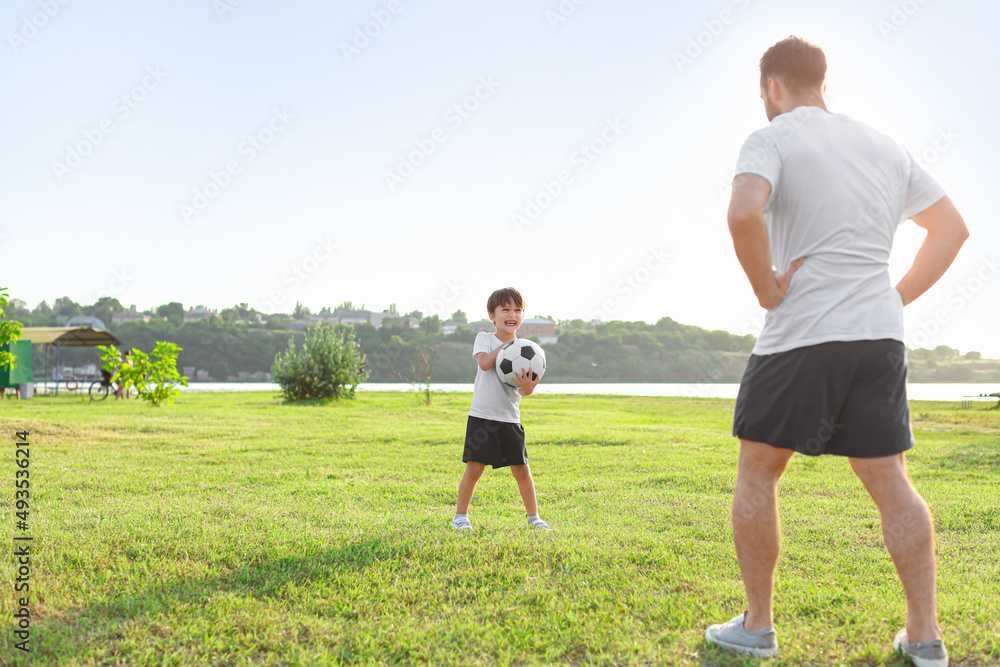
[[232, 529]]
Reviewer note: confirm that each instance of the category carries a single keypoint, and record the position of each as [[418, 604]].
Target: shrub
[[329, 365], [156, 380]]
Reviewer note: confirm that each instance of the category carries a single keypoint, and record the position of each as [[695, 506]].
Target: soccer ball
[[519, 355]]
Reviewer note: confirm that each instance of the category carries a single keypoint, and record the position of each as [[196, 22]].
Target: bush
[[330, 365], [156, 380]]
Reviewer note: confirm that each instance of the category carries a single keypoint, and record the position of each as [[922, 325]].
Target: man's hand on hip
[[775, 292]]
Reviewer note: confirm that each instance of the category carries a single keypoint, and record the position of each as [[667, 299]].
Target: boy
[[494, 434]]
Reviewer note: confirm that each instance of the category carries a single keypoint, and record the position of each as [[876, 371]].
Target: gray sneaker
[[734, 636], [922, 654]]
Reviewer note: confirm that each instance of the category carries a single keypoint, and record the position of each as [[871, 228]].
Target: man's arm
[[946, 232], [749, 232]]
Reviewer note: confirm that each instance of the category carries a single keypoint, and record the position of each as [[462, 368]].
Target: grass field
[[231, 529]]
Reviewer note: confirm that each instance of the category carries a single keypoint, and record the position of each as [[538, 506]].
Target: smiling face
[[507, 318]]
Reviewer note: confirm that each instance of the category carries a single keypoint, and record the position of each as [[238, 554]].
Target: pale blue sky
[[649, 210]]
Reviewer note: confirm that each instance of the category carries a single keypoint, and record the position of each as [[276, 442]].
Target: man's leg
[[908, 531], [756, 528], [473, 471], [526, 485]]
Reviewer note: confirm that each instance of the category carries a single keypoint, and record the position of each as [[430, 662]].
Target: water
[[915, 391]]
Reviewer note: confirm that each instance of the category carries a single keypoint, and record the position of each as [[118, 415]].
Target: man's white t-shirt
[[491, 398], [839, 190]]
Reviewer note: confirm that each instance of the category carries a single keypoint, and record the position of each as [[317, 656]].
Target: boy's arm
[[488, 360]]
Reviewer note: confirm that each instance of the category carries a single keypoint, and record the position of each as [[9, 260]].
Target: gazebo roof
[[69, 336]]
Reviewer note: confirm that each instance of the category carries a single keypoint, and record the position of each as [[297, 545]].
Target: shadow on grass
[[712, 656], [55, 640]]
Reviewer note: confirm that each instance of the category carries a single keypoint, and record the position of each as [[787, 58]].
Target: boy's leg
[[473, 471], [908, 531], [526, 485], [756, 528]]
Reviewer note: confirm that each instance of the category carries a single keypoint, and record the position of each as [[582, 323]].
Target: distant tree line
[[235, 345]]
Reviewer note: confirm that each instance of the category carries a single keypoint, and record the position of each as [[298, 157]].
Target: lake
[[915, 391]]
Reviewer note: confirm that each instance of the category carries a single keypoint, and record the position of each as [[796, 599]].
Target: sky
[[424, 154]]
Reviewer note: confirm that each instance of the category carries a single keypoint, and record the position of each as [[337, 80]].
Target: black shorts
[[499, 444], [846, 398]]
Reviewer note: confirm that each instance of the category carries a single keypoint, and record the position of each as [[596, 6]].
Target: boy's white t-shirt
[[491, 398], [839, 190]]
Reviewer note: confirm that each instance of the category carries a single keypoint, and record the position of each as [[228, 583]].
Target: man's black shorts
[[495, 443], [843, 398]]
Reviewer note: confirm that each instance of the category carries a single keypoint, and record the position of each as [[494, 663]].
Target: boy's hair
[[796, 62], [504, 296]]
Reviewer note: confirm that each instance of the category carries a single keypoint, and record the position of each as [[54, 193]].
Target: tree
[[973, 355], [392, 309], [330, 365], [459, 316], [104, 309], [431, 325], [300, 311], [173, 308], [43, 308], [67, 307], [10, 332]]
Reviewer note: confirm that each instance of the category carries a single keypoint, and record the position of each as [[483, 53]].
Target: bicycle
[[99, 389]]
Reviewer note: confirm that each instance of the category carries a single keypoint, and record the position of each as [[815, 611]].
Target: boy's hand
[[525, 385]]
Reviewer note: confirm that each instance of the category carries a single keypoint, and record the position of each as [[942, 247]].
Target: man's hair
[[504, 296], [796, 62]]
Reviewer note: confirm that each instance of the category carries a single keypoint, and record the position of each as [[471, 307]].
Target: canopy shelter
[[67, 337]]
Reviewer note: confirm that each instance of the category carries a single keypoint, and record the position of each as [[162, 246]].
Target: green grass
[[234, 530]]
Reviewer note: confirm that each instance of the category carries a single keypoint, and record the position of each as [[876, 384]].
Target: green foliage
[[10, 332], [154, 376], [329, 365]]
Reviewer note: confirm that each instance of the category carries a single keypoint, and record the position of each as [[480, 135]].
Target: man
[[820, 195]]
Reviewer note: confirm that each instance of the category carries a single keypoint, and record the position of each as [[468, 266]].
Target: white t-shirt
[[491, 398], [839, 190]]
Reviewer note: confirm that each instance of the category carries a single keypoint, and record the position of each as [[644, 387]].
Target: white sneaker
[[539, 524], [921, 654], [734, 636], [461, 523]]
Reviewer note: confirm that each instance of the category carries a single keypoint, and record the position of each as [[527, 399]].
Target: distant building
[[86, 321], [482, 325], [199, 313], [544, 329], [130, 315], [351, 317], [448, 328]]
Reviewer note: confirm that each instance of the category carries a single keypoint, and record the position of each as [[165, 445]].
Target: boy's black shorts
[[846, 398], [499, 444]]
